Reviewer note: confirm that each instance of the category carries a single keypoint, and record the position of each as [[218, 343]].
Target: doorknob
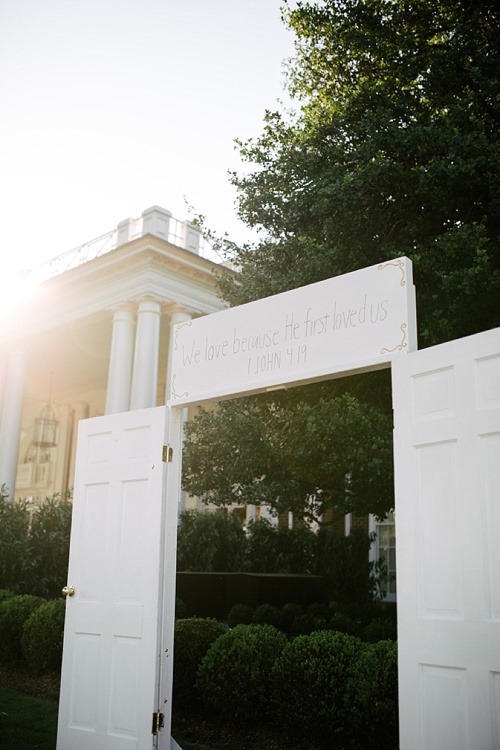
[[69, 591]]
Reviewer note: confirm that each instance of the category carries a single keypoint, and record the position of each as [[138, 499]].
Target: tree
[[304, 455], [393, 150]]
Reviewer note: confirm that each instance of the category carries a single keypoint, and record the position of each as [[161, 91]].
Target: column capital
[[149, 304], [180, 316]]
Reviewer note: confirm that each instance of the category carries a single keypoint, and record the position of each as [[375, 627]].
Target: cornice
[[147, 266]]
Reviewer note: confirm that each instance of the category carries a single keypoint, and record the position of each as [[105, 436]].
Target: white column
[[120, 361], [3, 375], [147, 342], [179, 316], [10, 428]]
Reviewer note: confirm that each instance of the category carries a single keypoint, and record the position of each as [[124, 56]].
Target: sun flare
[[18, 286]]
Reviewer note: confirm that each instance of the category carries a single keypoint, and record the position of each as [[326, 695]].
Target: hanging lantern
[[45, 432]]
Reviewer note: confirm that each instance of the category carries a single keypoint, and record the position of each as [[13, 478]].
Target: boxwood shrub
[[192, 638], [42, 637], [310, 678], [13, 614], [240, 614], [372, 692], [235, 676]]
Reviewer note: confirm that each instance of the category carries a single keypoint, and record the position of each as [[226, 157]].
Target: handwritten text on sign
[[350, 322]]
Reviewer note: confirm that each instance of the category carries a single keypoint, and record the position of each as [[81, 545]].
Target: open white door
[[119, 622], [447, 460]]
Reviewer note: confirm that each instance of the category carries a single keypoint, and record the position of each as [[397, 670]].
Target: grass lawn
[[26, 722]]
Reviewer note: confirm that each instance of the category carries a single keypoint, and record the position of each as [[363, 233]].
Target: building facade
[[94, 338]]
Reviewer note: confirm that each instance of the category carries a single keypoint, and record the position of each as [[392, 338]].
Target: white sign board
[[349, 323]]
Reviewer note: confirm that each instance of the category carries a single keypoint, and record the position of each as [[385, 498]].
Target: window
[[384, 550]]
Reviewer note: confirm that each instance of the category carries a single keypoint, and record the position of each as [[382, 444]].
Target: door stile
[[172, 492]]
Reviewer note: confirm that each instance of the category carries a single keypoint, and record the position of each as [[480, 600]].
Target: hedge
[[234, 677]]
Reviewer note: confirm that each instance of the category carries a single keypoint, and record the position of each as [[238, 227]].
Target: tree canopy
[[392, 150]]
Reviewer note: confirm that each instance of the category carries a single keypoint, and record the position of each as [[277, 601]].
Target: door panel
[[112, 643], [447, 463]]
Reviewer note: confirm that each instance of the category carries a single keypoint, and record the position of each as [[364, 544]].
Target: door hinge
[[167, 454], [158, 720]]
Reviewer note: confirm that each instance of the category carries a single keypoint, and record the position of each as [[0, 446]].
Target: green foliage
[[235, 675], [372, 692], [34, 545], [310, 681], [322, 449], [5, 594], [344, 560], [42, 637], [14, 612], [393, 149], [210, 542], [277, 549], [267, 614], [307, 623], [289, 612], [379, 629], [193, 637], [14, 543], [216, 543], [240, 614], [49, 540], [180, 609]]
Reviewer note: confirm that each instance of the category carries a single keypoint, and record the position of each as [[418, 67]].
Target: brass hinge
[[158, 719], [167, 454]]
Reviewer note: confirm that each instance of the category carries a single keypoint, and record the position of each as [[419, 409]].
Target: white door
[[118, 637], [447, 461]]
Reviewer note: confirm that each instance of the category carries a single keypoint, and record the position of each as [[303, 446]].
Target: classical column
[[120, 360], [3, 375], [179, 316], [147, 342], [10, 428]]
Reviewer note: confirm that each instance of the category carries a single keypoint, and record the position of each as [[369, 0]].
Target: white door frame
[[357, 323]]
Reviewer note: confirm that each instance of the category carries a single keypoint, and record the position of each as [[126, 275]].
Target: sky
[[108, 107]]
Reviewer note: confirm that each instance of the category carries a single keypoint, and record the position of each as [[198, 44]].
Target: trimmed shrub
[[267, 614], [343, 623], [193, 638], [380, 629], [13, 614], [306, 624], [235, 676], [372, 691], [42, 637], [240, 614], [5, 594], [310, 680], [289, 613], [181, 611]]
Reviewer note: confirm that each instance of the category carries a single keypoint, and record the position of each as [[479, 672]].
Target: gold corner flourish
[[399, 263], [400, 346], [178, 328], [174, 392]]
